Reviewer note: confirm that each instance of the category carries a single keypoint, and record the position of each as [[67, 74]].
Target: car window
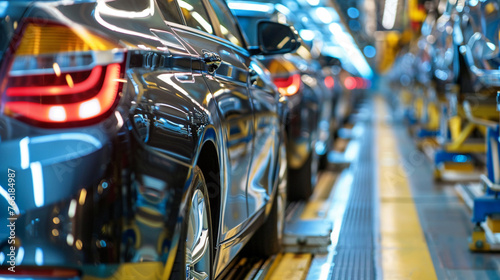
[[170, 11], [196, 15], [228, 25]]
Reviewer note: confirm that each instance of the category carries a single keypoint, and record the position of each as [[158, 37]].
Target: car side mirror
[[276, 38]]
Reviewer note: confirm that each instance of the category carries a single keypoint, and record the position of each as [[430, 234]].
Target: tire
[[194, 257], [302, 180], [323, 161], [268, 238]]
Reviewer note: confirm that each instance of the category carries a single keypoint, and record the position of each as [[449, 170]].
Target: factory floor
[[419, 227], [389, 218]]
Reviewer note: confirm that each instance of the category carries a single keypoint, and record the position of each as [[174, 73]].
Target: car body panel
[[235, 109], [309, 124], [142, 156]]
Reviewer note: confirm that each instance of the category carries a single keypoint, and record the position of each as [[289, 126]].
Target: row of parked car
[[154, 139]]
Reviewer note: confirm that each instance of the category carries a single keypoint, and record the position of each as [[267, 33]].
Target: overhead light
[[313, 2], [369, 51], [389, 17], [3, 8], [353, 12], [324, 15], [307, 35], [335, 28], [353, 54], [250, 7]]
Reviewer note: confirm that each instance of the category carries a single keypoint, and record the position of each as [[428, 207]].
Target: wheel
[[302, 180], [194, 256], [268, 238], [323, 161]]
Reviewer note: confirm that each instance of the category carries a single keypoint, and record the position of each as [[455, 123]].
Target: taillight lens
[[350, 83], [289, 85], [62, 76], [39, 272], [329, 82]]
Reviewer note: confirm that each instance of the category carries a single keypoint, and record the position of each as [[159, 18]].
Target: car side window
[[228, 25], [170, 11], [196, 15]]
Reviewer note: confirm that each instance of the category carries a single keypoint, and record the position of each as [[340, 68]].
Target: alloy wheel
[[197, 241]]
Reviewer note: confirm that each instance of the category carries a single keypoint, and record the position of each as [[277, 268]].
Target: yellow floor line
[[319, 203], [315, 210], [273, 267], [324, 186], [131, 271], [404, 250], [292, 267]]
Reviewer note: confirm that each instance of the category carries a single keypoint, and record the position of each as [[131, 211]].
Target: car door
[[264, 104], [266, 141], [226, 77]]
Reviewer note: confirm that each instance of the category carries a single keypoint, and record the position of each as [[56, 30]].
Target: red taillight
[[40, 272], [60, 76], [329, 82], [350, 83], [360, 82], [289, 85]]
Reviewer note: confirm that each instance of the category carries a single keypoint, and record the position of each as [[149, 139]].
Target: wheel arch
[[208, 162]]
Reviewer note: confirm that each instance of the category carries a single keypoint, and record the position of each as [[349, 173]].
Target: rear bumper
[[95, 200]]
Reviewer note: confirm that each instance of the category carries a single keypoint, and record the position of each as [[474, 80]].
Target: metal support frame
[[489, 204], [426, 133], [459, 134], [457, 130], [429, 118], [444, 156]]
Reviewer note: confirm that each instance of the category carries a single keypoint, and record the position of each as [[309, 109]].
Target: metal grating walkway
[[355, 249]]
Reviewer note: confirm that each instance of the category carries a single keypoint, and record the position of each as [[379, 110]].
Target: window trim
[[214, 27], [178, 11], [214, 21], [218, 32]]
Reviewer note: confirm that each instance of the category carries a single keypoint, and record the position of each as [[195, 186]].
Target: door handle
[[212, 60]]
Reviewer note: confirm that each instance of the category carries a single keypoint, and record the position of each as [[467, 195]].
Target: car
[[310, 122], [139, 139]]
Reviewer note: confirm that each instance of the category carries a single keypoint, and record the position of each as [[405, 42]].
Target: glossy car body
[[310, 120], [102, 188]]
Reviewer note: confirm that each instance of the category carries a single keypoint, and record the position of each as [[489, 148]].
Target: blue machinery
[[453, 151], [486, 208]]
